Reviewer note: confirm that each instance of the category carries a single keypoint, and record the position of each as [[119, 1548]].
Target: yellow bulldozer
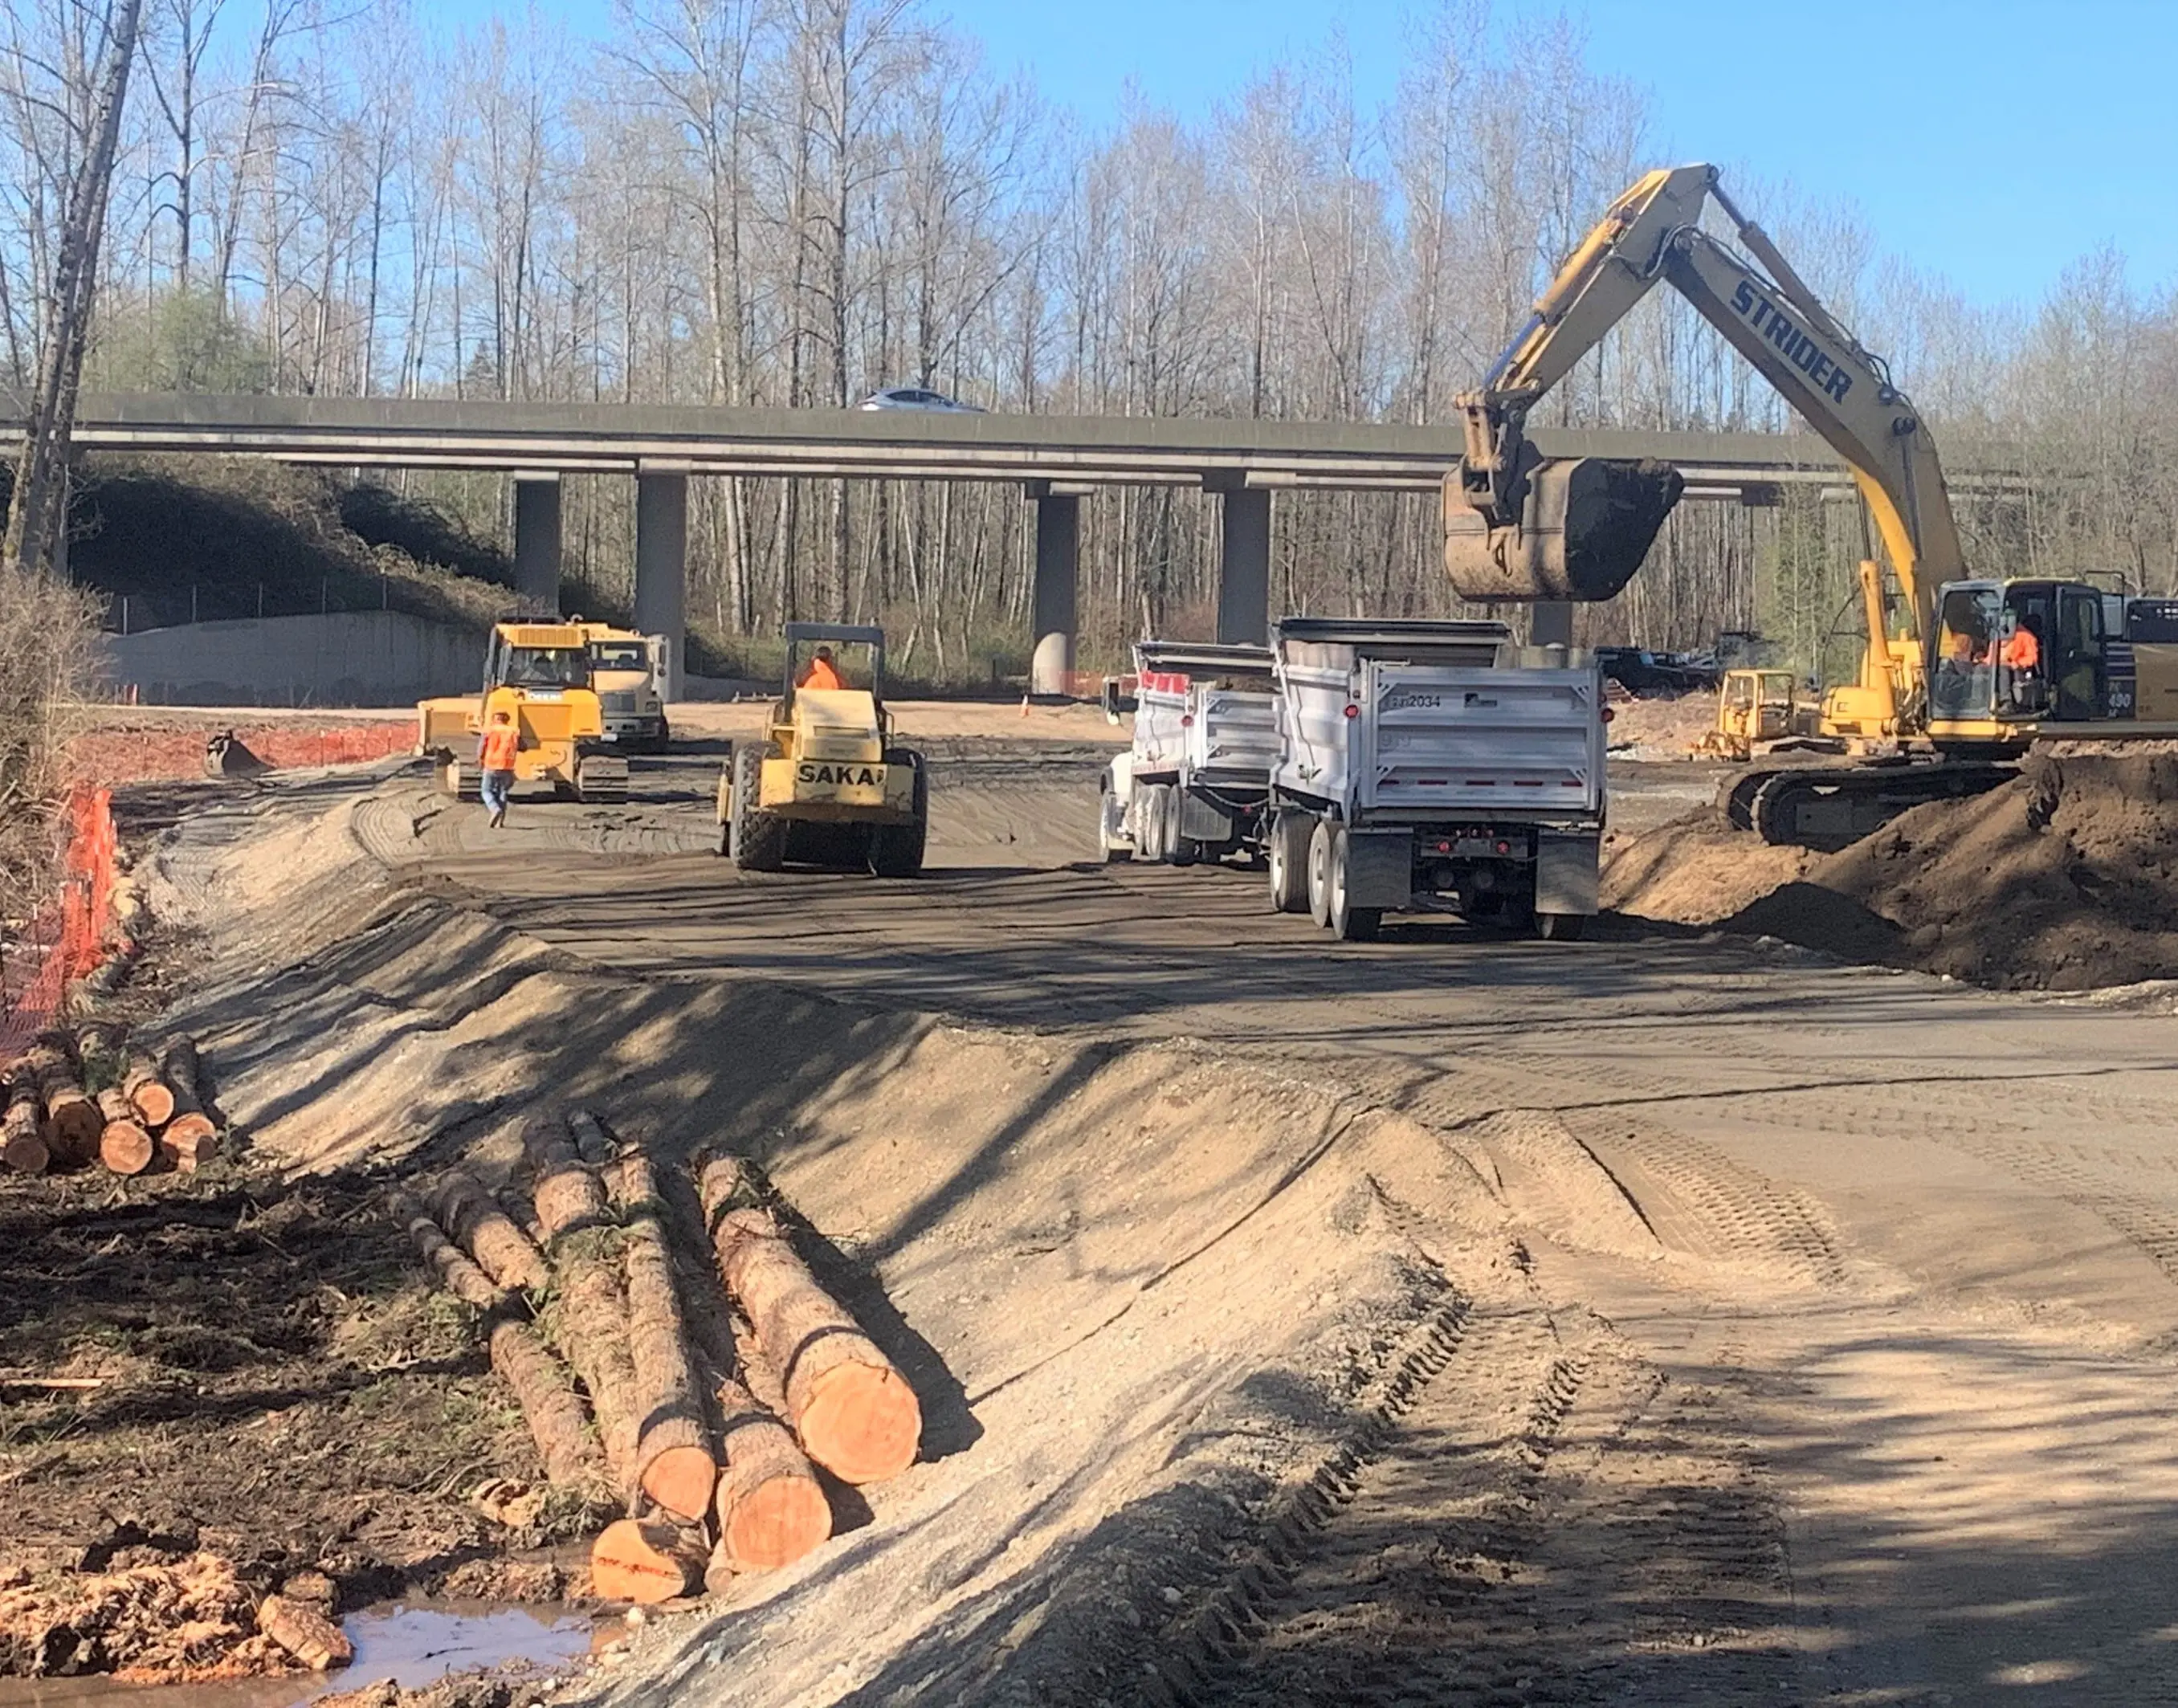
[[827, 786], [1762, 712], [540, 672]]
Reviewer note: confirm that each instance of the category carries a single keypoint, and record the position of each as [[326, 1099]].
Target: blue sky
[[1991, 143]]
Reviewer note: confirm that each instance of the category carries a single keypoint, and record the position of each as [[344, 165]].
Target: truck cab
[[627, 669]]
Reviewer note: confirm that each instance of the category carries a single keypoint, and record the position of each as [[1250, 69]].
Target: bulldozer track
[[1702, 1202]]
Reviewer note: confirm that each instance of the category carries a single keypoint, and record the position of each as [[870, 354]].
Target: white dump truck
[[1434, 767], [1194, 784]]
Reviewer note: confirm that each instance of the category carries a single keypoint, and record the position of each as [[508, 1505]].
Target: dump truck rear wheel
[[1179, 850], [896, 850], [1288, 861], [755, 840], [1349, 924], [1319, 871], [1149, 816], [1561, 927]]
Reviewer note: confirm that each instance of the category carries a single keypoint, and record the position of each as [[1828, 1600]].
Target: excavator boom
[[1515, 524]]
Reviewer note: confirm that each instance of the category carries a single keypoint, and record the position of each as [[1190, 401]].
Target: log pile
[[75, 1098], [710, 1468]]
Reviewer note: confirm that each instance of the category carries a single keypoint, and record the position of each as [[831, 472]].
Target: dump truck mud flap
[[1566, 871], [1380, 868]]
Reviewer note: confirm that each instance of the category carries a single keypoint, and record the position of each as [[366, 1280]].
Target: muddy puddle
[[413, 1643]]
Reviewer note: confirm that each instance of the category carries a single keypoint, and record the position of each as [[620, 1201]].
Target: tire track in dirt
[[1529, 1521]]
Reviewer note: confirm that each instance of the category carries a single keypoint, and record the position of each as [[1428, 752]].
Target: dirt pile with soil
[[2066, 878]]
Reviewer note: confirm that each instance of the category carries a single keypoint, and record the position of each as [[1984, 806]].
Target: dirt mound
[[2064, 879], [1696, 870]]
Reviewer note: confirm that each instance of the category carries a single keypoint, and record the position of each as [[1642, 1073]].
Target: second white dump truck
[[1194, 784], [1434, 767]]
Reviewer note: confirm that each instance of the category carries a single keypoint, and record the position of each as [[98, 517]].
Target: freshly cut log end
[[680, 1478], [304, 1633], [645, 1561], [861, 1422], [123, 1146], [188, 1146], [1586, 527], [774, 1524], [151, 1097]]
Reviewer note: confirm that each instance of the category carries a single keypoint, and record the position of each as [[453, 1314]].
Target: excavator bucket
[[1586, 525]]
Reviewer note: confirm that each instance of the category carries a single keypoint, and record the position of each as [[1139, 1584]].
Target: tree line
[[795, 202]]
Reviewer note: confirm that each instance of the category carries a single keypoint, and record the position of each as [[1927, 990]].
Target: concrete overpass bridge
[[1057, 459]]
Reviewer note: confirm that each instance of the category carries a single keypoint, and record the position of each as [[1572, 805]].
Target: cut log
[[449, 1265], [151, 1097], [190, 1125], [100, 1041], [73, 1122], [588, 1320], [304, 1633], [852, 1412], [633, 1560], [674, 1463], [188, 1149], [566, 1443], [550, 1404], [124, 1145], [593, 1143], [23, 1145], [771, 1509], [473, 1216], [566, 1188]]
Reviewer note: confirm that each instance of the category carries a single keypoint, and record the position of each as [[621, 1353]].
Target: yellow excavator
[[1944, 710]]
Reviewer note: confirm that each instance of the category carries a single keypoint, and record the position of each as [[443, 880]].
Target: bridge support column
[[1058, 548], [661, 563], [1244, 568], [536, 542]]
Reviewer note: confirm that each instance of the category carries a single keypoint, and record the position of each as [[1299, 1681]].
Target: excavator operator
[[2022, 659], [821, 673]]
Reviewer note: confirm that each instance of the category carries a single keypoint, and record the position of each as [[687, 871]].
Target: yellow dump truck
[[541, 672], [827, 786], [626, 669]]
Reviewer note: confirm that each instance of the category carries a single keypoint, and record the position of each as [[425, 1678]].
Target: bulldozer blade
[[1587, 523]]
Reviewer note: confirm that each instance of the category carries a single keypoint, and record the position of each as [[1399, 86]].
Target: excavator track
[[1827, 807], [601, 780]]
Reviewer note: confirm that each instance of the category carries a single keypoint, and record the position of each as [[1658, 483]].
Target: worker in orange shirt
[[497, 760], [2021, 657], [822, 672]]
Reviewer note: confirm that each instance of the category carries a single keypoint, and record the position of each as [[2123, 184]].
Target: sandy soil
[[1660, 1319]]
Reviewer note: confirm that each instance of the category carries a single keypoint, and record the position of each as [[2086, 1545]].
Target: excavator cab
[[2008, 653]]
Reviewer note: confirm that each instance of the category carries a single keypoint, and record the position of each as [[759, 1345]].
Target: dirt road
[[1773, 1329]]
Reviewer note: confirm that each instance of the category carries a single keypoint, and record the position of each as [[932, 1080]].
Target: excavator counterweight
[[1585, 525]]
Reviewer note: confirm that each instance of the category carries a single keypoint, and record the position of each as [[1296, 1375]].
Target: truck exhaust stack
[[1585, 526]]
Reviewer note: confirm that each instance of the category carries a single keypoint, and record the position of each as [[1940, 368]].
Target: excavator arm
[[1510, 531]]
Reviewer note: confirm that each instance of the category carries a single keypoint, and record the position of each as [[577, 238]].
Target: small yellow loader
[[540, 672], [826, 786]]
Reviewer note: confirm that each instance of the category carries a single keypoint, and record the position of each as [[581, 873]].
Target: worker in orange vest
[[2021, 656], [822, 673], [500, 743]]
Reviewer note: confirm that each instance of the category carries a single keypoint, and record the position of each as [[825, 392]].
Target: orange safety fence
[[145, 755], [67, 938]]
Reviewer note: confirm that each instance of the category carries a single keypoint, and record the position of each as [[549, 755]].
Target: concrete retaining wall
[[371, 658]]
